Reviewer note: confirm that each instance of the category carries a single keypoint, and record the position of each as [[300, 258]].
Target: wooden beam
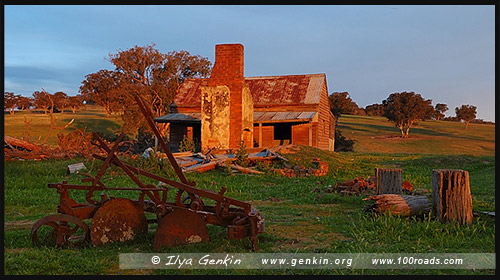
[[310, 133], [260, 135]]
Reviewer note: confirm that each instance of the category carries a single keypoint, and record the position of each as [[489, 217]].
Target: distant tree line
[[49, 103]]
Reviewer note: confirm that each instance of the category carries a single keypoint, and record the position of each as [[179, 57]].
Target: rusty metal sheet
[[181, 226], [265, 90], [282, 116], [314, 89], [179, 117], [118, 219], [189, 94]]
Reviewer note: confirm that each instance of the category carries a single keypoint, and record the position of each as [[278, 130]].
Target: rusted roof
[[282, 116], [265, 90], [257, 117], [179, 117]]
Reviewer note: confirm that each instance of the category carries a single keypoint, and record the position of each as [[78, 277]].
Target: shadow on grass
[[373, 128], [96, 125]]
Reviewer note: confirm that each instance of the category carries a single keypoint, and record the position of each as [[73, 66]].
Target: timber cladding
[[300, 134]]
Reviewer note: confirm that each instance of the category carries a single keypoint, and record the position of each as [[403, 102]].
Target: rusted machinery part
[[63, 230], [118, 219], [180, 226], [195, 202]]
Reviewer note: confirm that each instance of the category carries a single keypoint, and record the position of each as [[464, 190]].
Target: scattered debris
[[362, 186], [321, 169], [403, 205], [21, 145], [202, 162], [354, 187], [491, 214], [73, 168], [407, 187], [75, 143]]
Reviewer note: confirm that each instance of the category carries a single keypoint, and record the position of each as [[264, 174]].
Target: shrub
[[342, 144], [242, 155], [187, 145]]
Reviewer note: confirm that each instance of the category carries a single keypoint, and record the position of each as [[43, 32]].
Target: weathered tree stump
[[403, 205], [451, 197], [388, 180]]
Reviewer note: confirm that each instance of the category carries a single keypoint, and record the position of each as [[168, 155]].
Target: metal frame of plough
[[178, 222]]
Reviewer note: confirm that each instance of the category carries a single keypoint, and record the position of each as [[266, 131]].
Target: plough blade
[[181, 226], [118, 219]]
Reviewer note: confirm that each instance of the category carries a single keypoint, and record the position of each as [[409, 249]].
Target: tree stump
[[388, 180], [451, 197]]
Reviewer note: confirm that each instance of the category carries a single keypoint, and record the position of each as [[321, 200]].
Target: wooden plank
[[260, 135], [72, 168], [183, 154], [245, 170], [300, 134], [202, 167]]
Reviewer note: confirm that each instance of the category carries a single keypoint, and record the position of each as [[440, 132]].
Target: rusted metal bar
[[185, 187], [84, 187], [105, 165], [147, 115], [134, 178]]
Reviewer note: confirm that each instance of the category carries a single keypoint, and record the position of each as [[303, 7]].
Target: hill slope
[[377, 135]]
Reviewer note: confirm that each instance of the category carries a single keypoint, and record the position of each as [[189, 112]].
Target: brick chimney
[[228, 66], [227, 106]]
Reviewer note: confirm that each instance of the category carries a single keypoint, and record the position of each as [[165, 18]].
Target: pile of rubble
[[202, 162], [360, 186], [77, 143], [321, 169], [356, 186]]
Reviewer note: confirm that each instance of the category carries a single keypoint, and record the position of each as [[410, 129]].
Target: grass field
[[36, 124], [298, 219]]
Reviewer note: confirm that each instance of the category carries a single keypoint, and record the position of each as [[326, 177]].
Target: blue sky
[[444, 53]]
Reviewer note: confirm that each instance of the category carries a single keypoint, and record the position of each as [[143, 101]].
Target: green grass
[[302, 220]]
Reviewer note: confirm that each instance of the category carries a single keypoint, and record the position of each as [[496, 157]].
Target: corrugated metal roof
[[257, 117], [282, 116], [265, 90], [179, 117]]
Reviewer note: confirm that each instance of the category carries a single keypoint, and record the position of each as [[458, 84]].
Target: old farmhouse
[[227, 108]]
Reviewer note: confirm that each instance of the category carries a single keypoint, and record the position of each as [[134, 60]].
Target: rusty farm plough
[[119, 219]]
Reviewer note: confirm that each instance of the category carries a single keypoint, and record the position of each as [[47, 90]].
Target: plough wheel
[[118, 219], [181, 226], [59, 230]]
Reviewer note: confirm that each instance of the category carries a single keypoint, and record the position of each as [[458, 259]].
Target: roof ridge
[[291, 75]]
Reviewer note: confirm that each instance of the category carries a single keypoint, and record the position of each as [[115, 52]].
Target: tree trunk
[[404, 205], [388, 180], [407, 132], [11, 141], [452, 200]]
